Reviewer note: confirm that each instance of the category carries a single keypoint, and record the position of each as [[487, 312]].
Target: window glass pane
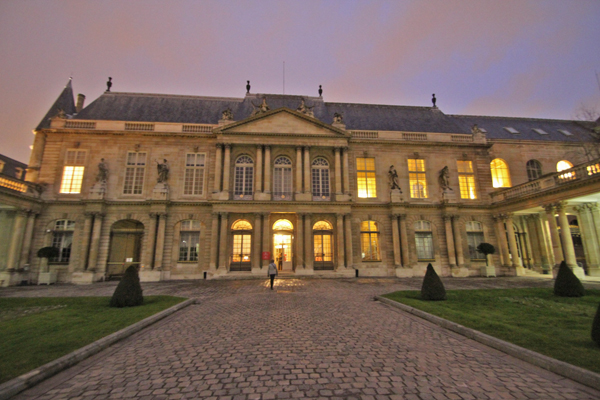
[[474, 239], [500, 174], [366, 177], [424, 244]]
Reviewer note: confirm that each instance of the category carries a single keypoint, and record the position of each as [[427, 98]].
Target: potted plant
[[486, 249], [44, 254]]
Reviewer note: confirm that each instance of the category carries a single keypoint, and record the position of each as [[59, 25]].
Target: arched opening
[[244, 178], [242, 245], [500, 173], [125, 246], [534, 170], [282, 179], [282, 244], [323, 246]]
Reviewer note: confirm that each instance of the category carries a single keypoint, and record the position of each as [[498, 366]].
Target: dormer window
[[565, 132], [512, 130], [540, 131]]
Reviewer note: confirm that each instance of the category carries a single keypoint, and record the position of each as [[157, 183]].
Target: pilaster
[[396, 241], [340, 240], [223, 243], [348, 239]]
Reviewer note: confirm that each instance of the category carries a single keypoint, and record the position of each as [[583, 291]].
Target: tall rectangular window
[[189, 243], [193, 181], [365, 171], [282, 179], [369, 241], [416, 177], [466, 179], [62, 239], [73, 169], [134, 173]]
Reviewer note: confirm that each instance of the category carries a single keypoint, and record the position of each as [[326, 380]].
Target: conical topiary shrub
[[129, 291], [433, 288], [567, 284], [596, 327]]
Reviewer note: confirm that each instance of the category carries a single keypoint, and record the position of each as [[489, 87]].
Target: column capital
[[214, 213], [298, 148], [592, 206], [259, 146], [307, 148], [345, 148], [394, 216], [265, 214], [561, 206], [219, 145], [268, 147], [402, 217], [447, 217], [349, 215], [550, 207], [337, 149], [301, 214], [224, 214], [227, 146], [89, 214]]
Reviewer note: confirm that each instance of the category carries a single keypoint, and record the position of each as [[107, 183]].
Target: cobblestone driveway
[[309, 338]]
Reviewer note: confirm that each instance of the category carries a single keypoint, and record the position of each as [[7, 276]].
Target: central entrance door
[[282, 244], [125, 246]]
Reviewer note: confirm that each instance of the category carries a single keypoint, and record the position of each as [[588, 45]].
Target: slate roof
[[208, 110], [10, 166], [64, 102]]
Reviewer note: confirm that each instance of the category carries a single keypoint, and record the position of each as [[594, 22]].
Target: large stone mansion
[[192, 187]]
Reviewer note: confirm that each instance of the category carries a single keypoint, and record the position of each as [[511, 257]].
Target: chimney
[[80, 100]]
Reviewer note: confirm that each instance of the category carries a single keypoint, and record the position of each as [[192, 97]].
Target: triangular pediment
[[282, 121]]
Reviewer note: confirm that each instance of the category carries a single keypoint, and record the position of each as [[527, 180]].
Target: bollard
[[356, 273], [205, 275]]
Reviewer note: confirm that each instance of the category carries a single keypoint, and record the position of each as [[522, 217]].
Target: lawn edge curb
[[32, 378], [562, 368]]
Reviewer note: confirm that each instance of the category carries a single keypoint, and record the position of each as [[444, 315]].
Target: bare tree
[[589, 117]]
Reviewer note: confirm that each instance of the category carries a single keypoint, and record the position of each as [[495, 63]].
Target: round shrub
[[596, 327], [486, 248], [567, 284], [129, 291], [432, 288]]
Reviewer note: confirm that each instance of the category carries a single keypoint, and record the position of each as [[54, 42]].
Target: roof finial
[[248, 87], [320, 91], [433, 100], [109, 84]]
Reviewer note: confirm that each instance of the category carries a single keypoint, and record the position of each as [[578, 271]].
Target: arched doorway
[[242, 245], [125, 246], [282, 244], [323, 246]]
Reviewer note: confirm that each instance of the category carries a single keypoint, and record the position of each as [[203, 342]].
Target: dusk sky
[[530, 58]]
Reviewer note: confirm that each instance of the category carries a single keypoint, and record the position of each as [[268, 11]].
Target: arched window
[[562, 165], [369, 241], [282, 179], [242, 245], [244, 177], [424, 240], [474, 239], [500, 174], [189, 241], [534, 169], [323, 249], [320, 179], [62, 239], [282, 244]]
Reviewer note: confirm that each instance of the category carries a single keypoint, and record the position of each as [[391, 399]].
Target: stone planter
[[488, 271], [47, 278]]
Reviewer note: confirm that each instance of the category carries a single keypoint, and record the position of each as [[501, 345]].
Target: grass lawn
[[535, 319], [35, 331]]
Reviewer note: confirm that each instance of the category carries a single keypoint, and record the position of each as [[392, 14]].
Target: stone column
[[223, 243], [226, 168], [502, 243], [525, 239], [85, 241], [267, 238], [298, 170], [346, 171], [595, 218], [338, 172], [404, 241], [256, 242], [594, 229], [160, 241], [534, 243], [340, 240], [460, 259], [547, 257], [512, 244], [27, 239], [218, 167], [588, 236], [16, 240], [149, 251], [214, 241], [95, 242], [450, 241], [307, 188], [556, 245], [299, 241], [259, 168], [348, 239], [396, 241], [567, 241], [308, 242], [268, 170]]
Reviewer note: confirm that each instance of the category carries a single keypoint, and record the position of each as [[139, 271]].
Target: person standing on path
[[272, 272]]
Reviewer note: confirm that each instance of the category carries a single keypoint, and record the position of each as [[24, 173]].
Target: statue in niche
[[102, 171], [109, 84], [304, 109], [444, 178], [163, 171], [227, 115], [261, 109], [338, 118], [393, 177]]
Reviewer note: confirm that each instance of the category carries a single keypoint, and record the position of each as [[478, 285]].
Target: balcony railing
[[578, 173], [18, 185]]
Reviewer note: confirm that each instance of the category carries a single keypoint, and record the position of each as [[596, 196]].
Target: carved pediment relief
[[282, 121]]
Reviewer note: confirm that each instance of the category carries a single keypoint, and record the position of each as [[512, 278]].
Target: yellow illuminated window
[[562, 165], [466, 179], [500, 174], [365, 171], [416, 177], [369, 241], [73, 171]]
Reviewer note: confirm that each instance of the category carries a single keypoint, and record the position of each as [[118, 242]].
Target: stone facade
[[306, 186]]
